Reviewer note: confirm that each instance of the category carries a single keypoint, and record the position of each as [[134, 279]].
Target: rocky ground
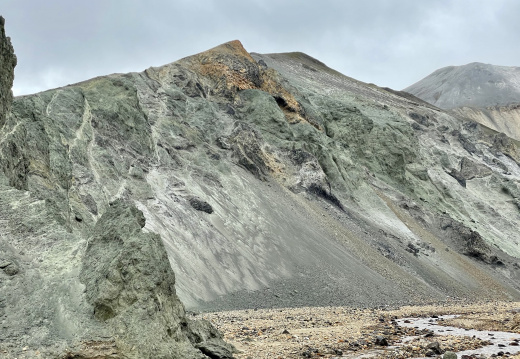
[[334, 332]]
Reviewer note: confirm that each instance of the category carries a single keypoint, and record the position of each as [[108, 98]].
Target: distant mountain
[[472, 85], [487, 94]]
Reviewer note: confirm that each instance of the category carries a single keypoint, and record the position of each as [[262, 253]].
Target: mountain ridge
[[105, 291]]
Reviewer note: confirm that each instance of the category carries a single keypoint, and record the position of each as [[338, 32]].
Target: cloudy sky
[[390, 43]]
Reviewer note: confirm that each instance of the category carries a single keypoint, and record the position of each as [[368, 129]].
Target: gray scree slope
[[272, 180]]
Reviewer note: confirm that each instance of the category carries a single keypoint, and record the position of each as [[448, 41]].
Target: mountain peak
[[230, 48]]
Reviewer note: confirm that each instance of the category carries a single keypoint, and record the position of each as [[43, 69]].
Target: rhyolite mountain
[[484, 93], [270, 180]]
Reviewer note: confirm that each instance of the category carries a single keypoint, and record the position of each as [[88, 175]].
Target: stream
[[504, 342]]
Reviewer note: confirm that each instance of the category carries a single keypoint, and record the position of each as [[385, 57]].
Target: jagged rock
[[421, 119], [507, 146], [412, 248], [131, 287], [469, 170], [208, 340], [466, 143], [201, 205], [8, 63], [471, 242], [11, 269], [306, 170], [381, 341], [249, 150]]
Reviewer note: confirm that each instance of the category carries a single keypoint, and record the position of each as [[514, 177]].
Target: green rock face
[[262, 181], [131, 287], [8, 62]]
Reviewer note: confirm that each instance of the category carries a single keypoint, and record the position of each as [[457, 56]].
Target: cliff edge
[[7, 65]]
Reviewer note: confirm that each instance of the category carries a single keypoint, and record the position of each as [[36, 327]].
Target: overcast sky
[[389, 43]]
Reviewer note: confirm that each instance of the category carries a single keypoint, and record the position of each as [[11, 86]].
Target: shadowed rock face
[[272, 181], [131, 287]]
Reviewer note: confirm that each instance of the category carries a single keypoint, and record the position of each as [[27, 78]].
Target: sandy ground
[[342, 332]]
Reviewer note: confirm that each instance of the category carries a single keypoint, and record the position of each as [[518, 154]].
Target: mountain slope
[[272, 180], [505, 119]]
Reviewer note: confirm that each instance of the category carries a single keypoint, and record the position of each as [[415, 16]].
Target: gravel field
[[343, 332]]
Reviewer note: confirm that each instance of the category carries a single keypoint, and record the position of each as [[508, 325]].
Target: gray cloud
[[389, 43]]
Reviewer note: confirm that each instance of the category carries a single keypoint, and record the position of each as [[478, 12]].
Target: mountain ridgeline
[[262, 180]]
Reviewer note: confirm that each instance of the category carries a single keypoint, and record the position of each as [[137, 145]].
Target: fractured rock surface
[[7, 64]]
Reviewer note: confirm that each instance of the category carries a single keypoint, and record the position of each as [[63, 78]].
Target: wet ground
[[343, 332], [499, 343]]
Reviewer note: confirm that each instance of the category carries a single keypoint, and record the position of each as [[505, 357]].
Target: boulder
[[449, 355], [131, 287]]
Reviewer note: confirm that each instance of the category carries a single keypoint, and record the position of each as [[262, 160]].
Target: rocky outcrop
[[507, 146], [131, 287], [8, 62], [469, 170], [471, 243], [483, 93], [504, 119]]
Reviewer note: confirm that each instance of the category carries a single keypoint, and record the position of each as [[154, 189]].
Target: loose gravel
[[344, 332]]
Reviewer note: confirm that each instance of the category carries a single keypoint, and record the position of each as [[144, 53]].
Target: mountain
[[505, 119], [270, 180], [484, 93], [472, 85]]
